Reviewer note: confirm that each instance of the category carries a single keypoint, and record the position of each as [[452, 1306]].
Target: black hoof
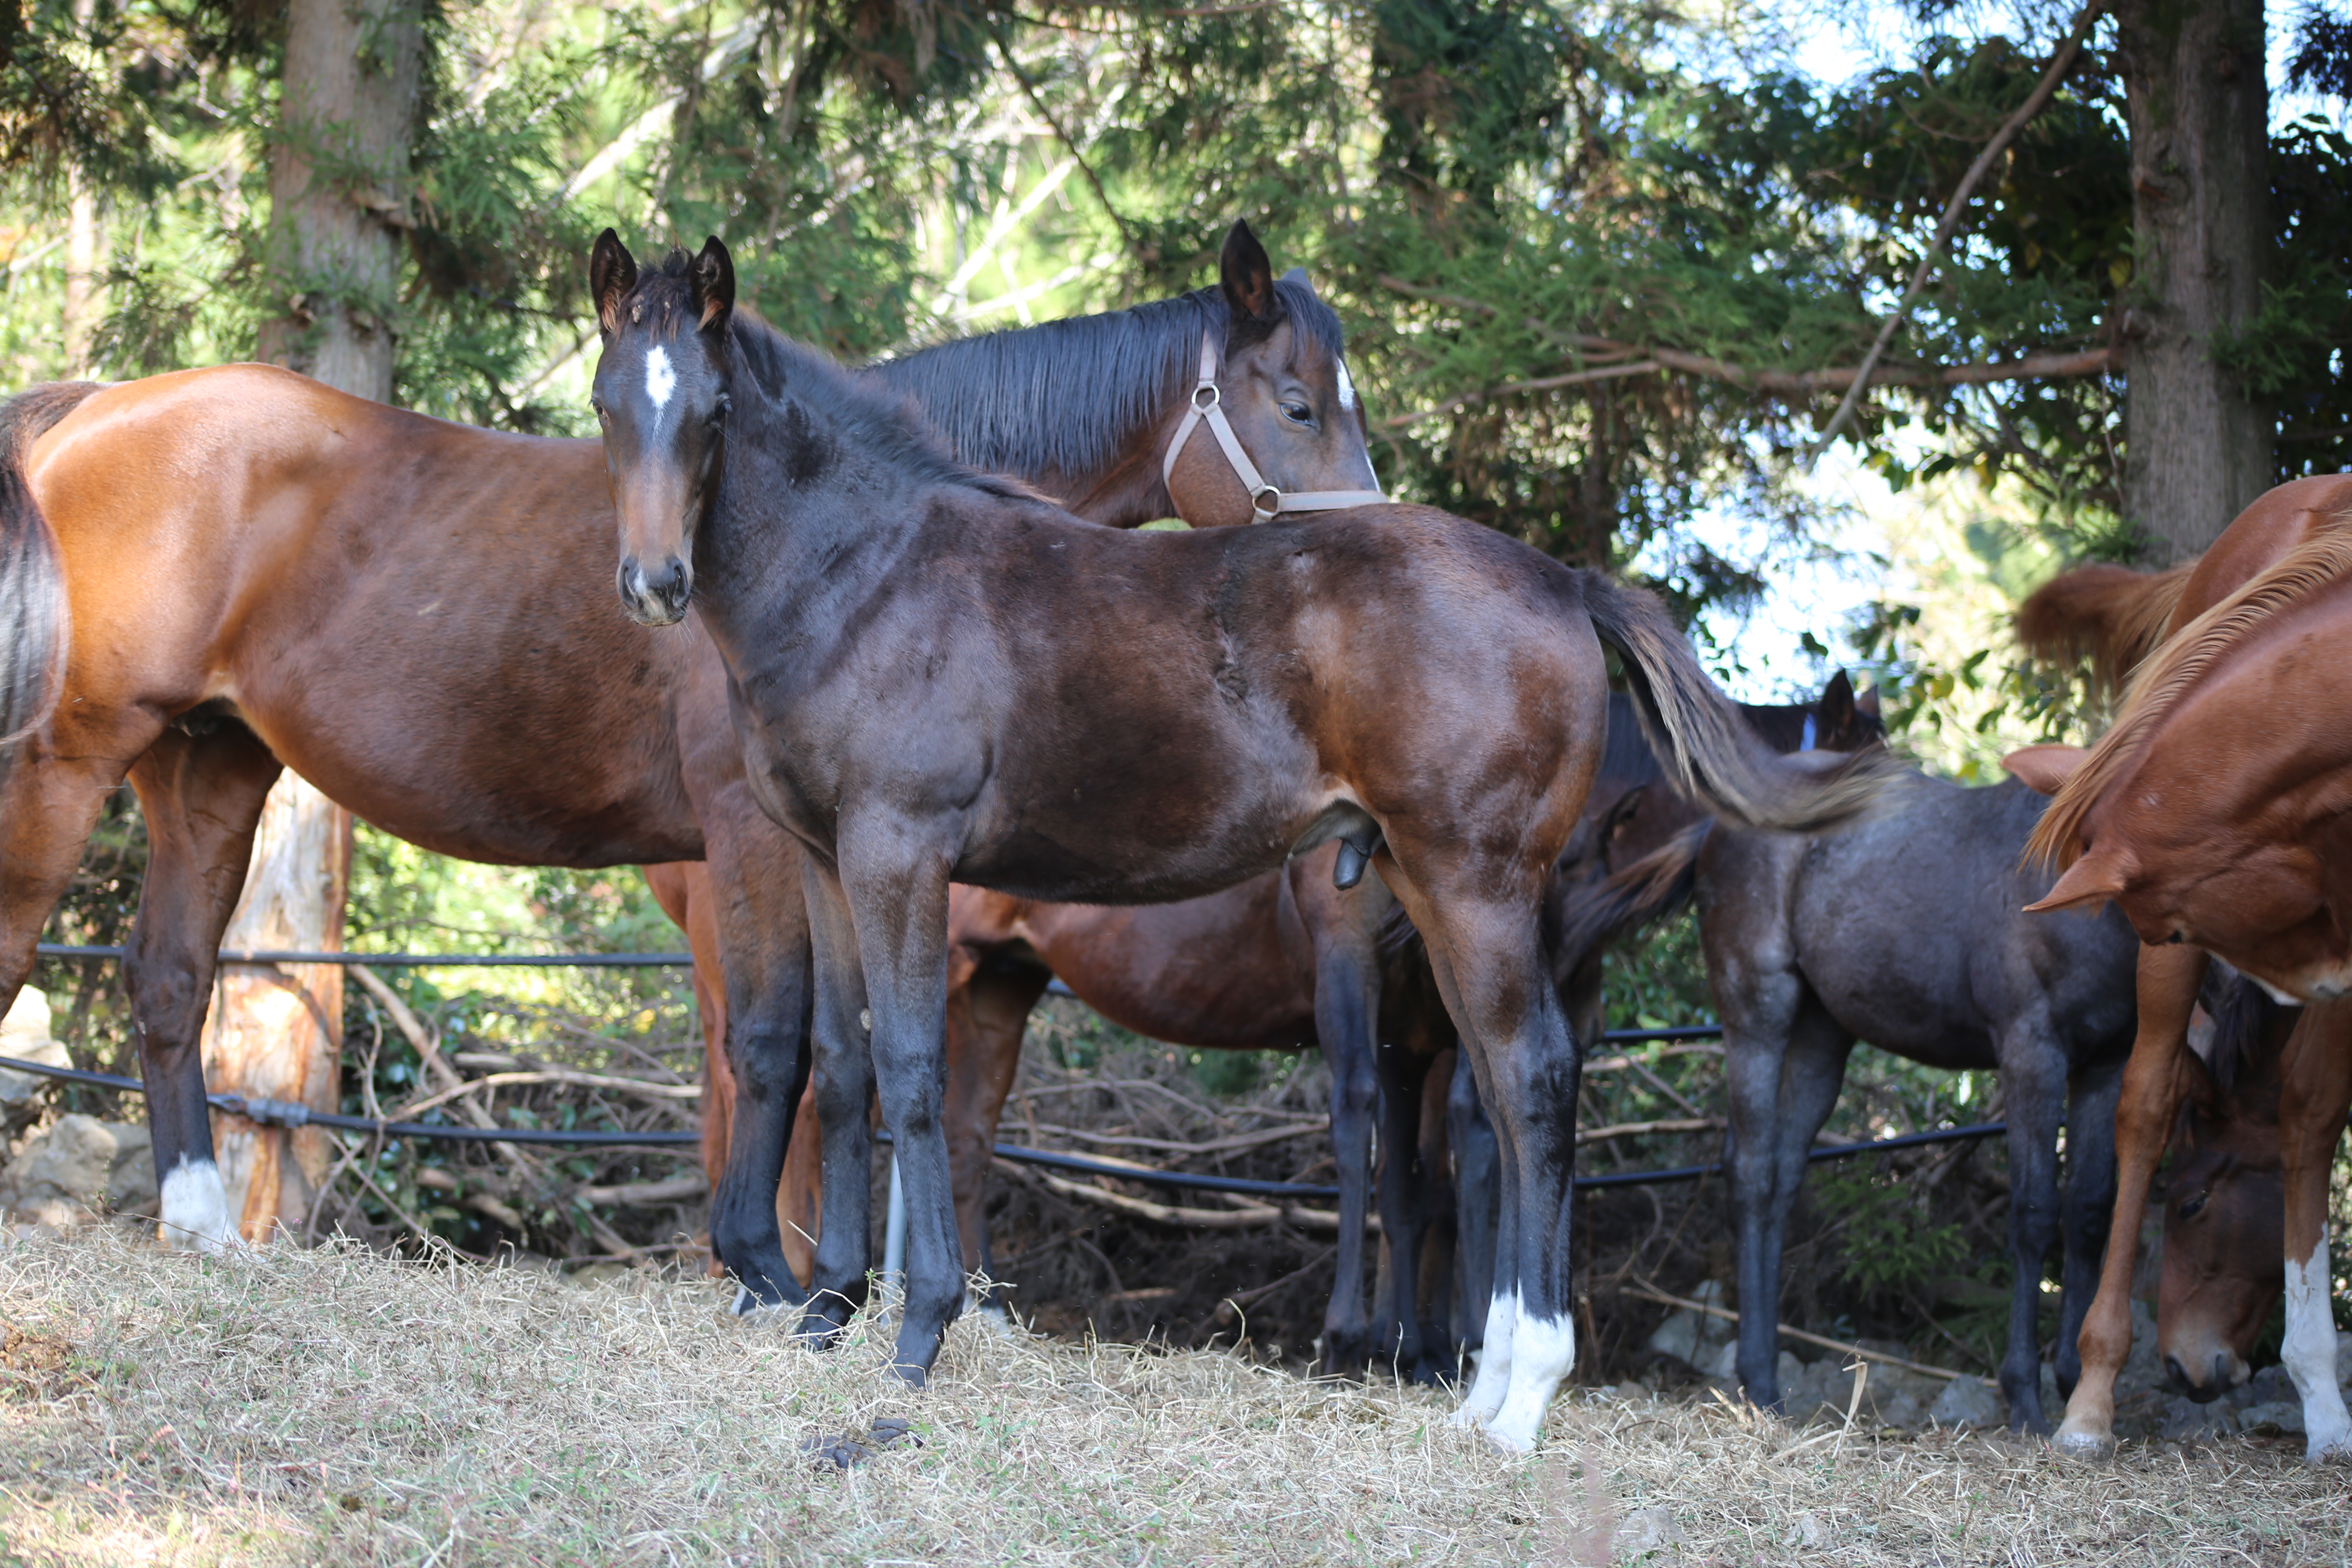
[[1345, 1352], [1430, 1373], [827, 1315], [759, 1291]]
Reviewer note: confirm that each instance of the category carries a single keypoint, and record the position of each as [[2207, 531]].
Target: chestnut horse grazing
[[2225, 1193], [209, 575], [938, 676], [2211, 814]]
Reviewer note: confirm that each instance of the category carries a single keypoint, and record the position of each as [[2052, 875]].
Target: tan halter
[[1266, 499]]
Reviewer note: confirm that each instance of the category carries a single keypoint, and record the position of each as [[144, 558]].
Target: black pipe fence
[[287, 1113]]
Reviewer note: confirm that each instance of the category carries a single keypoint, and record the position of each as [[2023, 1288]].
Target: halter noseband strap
[[1207, 407]]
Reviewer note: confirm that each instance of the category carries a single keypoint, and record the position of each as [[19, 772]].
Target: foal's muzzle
[[656, 596]]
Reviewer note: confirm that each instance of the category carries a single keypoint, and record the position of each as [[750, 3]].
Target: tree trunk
[[82, 242], [2197, 449], [338, 184]]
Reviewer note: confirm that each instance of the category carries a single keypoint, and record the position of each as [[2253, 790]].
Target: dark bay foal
[[936, 675]]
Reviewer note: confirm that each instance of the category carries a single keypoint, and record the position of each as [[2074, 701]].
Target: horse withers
[[941, 675]]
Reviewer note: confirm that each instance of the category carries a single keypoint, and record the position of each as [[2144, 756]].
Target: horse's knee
[[168, 1002]]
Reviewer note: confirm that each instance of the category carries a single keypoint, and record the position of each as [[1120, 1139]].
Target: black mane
[[1067, 395]]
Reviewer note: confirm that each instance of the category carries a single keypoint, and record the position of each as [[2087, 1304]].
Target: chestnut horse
[[939, 676], [2211, 814], [210, 575]]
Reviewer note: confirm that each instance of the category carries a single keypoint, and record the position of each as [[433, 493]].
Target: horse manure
[[841, 1452]]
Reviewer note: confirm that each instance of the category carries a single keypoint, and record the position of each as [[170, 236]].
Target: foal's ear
[[1835, 710], [1245, 275], [611, 273], [712, 274]]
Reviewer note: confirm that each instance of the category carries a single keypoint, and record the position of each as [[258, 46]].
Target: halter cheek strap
[[1207, 407]]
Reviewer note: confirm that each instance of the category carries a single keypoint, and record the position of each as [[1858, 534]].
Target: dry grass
[[335, 1407]]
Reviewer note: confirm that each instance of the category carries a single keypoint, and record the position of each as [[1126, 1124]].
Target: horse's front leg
[[845, 1088], [2312, 1103], [2154, 1082], [894, 874], [202, 799], [760, 917]]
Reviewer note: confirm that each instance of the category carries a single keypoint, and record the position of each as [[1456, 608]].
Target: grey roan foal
[[1906, 930]]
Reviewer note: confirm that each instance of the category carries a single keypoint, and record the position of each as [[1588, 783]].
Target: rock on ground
[[25, 1035], [78, 1169]]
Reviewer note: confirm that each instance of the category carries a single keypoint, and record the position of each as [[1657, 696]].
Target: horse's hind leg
[[2312, 1103], [2089, 1199], [1347, 1001], [2032, 1087], [1492, 971], [202, 798], [1403, 1181], [1477, 1181]]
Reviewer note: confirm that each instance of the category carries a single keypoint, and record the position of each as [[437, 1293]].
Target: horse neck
[[1123, 488]]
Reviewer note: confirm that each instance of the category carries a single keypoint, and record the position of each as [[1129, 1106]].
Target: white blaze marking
[[659, 378], [196, 1209], [2309, 1352], [1346, 386], [1543, 1350]]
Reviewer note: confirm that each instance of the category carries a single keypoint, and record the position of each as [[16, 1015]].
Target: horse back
[[413, 614]]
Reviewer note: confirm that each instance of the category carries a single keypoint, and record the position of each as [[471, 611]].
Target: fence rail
[[284, 1113]]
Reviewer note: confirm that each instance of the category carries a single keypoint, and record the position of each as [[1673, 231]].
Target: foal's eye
[[2193, 1206], [1298, 412]]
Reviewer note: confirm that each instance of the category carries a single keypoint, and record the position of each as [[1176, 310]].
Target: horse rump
[[33, 609], [1706, 744]]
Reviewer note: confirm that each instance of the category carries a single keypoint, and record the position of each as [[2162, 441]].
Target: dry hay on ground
[[336, 1406]]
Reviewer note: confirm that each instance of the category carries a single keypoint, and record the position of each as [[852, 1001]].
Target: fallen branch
[[1841, 1345], [676, 1189], [555, 1075], [1263, 1135], [1244, 1215]]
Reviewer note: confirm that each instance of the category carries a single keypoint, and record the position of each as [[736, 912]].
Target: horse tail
[[2109, 617], [33, 620], [1705, 745], [1626, 902]]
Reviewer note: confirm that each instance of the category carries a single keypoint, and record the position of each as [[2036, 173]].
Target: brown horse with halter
[[941, 676], [2211, 814], [210, 575]]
